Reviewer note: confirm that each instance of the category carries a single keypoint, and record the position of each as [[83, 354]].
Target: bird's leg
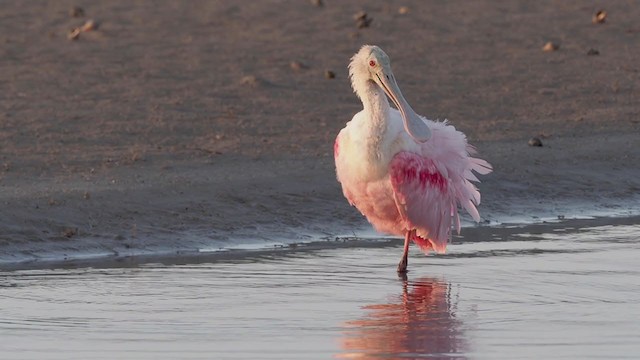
[[402, 266]]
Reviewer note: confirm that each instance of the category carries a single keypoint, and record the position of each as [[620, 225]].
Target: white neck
[[375, 129], [375, 104]]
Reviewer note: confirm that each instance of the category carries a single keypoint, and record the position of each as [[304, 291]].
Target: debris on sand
[[74, 34], [550, 46], [403, 10], [70, 232], [535, 141], [328, 74], [76, 11], [599, 17], [297, 66], [89, 25], [318, 3], [250, 80], [362, 19], [593, 52]]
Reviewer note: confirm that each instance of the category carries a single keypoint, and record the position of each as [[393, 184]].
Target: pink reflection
[[420, 321]]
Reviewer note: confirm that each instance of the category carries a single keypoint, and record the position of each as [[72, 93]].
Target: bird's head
[[371, 64]]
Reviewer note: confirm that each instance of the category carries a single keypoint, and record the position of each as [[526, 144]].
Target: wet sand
[[174, 128]]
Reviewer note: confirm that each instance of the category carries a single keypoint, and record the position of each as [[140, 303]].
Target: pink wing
[[424, 198], [427, 195]]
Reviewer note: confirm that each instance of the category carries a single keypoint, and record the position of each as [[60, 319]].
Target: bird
[[406, 174]]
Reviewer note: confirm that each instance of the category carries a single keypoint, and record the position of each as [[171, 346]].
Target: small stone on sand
[[318, 3], [599, 17], [534, 141], [403, 10], [360, 15], [550, 46], [249, 80], [329, 74], [592, 52], [362, 19]]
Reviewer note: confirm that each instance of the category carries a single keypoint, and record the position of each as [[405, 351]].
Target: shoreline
[[125, 257], [162, 134]]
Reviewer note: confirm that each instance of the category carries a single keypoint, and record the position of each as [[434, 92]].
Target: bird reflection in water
[[420, 322]]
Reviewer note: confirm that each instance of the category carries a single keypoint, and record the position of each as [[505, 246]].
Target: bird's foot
[[402, 266], [403, 276]]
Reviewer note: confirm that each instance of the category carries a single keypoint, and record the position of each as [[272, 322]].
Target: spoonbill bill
[[406, 174]]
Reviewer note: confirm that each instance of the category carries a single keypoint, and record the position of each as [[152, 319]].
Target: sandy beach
[[177, 127]]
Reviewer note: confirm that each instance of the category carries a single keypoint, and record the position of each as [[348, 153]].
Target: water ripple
[[564, 293]]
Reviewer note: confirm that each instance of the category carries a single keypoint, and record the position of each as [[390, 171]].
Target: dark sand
[[180, 126]]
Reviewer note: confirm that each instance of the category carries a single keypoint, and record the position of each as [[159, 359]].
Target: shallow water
[[560, 293]]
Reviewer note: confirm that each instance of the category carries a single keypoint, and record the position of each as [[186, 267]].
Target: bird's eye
[[372, 63]]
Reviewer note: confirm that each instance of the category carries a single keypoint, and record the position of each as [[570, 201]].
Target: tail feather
[[471, 176], [471, 209], [480, 166]]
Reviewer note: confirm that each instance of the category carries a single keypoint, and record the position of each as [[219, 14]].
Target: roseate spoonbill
[[406, 174]]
